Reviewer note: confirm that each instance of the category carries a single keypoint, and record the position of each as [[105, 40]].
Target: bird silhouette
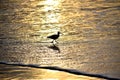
[[54, 37]]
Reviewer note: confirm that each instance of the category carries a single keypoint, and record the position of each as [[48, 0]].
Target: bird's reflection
[[54, 47]]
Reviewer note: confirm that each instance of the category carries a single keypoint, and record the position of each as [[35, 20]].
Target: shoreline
[[52, 68]]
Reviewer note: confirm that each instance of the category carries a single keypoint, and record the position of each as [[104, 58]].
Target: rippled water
[[89, 41]]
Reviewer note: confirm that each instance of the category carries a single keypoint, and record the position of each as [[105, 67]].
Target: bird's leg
[[52, 41], [56, 41]]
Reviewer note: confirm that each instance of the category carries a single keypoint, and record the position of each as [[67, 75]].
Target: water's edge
[[72, 71]]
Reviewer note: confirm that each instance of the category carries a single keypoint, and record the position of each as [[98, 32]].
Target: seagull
[[54, 37]]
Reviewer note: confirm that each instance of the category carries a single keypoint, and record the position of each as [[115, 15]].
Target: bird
[[54, 36]]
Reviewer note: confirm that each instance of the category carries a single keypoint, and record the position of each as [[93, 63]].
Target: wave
[[72, 71]]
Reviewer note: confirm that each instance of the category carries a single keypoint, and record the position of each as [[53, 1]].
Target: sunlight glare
[[52, 2]]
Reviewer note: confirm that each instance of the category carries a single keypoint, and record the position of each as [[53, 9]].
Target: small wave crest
[[72, 71]]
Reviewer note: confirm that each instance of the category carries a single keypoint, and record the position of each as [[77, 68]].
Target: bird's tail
[[48, 37]]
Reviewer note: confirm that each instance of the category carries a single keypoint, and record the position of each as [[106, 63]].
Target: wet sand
[[32, 72]]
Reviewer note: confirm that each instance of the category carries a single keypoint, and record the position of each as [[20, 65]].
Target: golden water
[[89, 41]]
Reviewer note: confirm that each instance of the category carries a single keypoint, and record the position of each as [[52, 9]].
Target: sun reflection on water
[[51, 7], [52, 2], [51, 16]]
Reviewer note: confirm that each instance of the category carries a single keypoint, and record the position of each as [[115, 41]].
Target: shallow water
[[89, 41], [10, 72]]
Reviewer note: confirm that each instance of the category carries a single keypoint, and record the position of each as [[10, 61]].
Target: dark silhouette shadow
[[54, 47]]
